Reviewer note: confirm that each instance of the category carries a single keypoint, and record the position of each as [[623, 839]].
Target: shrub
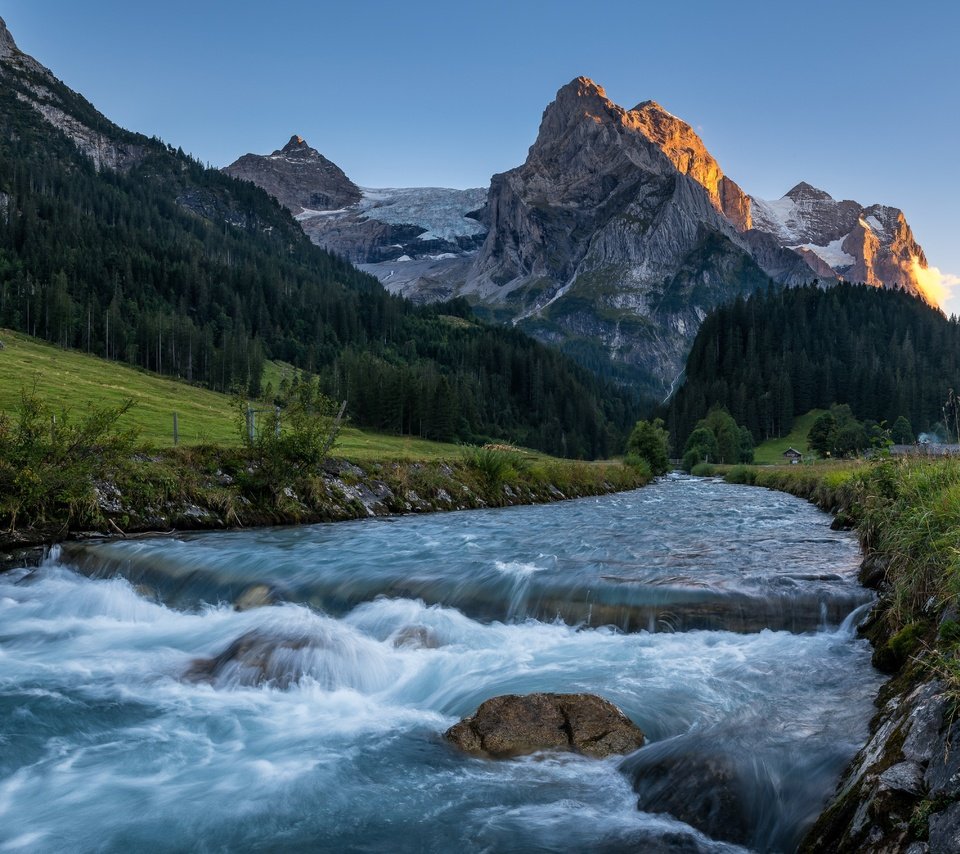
[[649, 441], [741, 474], [703, 470], [494, 465], [291, 442], [50, 461]]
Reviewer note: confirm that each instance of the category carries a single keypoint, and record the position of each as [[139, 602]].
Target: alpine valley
[[614, 239]]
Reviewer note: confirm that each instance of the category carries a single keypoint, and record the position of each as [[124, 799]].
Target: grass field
[[771, 451], [73, 380]]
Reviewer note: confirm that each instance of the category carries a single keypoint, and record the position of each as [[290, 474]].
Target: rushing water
[[752, 688]]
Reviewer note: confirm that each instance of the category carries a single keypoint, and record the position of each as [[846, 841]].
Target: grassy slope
[[71, 379], [771, 451]]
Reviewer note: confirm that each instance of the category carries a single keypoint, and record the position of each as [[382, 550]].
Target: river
[[719, 618]]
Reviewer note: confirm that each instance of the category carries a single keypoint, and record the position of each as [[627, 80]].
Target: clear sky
[[861, 99]]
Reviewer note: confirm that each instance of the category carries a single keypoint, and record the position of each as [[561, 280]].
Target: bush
[[287, 443], [649, 441], [703, 470], [741, 474], [50, 461], [638, 464], [493, 464]]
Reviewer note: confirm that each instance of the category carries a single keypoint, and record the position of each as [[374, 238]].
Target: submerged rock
[[416, 637], [719, 792], [517, 724], [254, 596], [282, 657]]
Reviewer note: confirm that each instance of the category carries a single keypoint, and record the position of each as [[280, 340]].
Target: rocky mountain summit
[[613, 240], [417, 227], [871, 244], [299, 177]]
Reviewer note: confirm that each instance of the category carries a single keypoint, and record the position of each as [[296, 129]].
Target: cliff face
[[614, 233], [36, 86]]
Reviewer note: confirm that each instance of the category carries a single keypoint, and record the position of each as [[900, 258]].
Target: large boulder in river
[[515, 724], [725, 792]]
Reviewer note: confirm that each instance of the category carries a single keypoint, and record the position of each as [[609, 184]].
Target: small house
[[792, 455]]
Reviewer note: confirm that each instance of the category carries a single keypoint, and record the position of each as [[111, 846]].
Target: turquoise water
[[383, 633]]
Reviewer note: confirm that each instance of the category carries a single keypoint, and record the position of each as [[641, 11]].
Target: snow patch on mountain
[[832, 253], [783, 218], [441, 211]]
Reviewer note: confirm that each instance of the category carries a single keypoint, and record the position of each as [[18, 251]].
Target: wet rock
[[255, 596], [907, 767], [720, 793], [945, 831], [416, 637], [943, 772], [251, 660], [517, 724], [903, 777], [873, 571], [926, 722], [897, 792]]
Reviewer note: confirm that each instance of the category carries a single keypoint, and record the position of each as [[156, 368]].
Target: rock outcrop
[[299, 177], [873, 244], [517, 724], [35, 85], [900, 794]]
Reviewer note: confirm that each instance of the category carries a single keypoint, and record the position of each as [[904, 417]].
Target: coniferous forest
[[174, 267], [783, 352]]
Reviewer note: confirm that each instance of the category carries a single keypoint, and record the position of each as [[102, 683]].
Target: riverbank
[[902, 791], [212, 488]]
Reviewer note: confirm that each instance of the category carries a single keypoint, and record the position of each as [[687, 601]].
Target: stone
[[719, 792], [945, 831], [943, 772], [416, 637], [904, 777], [255, 596], [518, 724]]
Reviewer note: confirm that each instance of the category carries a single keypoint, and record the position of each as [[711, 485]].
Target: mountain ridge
[[590, 243]]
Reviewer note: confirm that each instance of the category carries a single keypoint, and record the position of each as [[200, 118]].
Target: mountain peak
[[7, 45], [651, 107], [296, 145], [803, 190], [581, 87]]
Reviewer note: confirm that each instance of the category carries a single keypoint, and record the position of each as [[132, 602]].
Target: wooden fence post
[[176, 431]]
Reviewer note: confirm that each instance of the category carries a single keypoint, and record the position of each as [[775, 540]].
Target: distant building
[[793, 455]]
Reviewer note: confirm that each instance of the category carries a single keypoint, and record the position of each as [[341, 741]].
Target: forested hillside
[[781, 353], [133, 251]]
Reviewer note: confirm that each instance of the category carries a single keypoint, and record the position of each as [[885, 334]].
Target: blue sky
[[860, 99]]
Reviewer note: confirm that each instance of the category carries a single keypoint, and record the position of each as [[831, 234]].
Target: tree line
[[782, 352]]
